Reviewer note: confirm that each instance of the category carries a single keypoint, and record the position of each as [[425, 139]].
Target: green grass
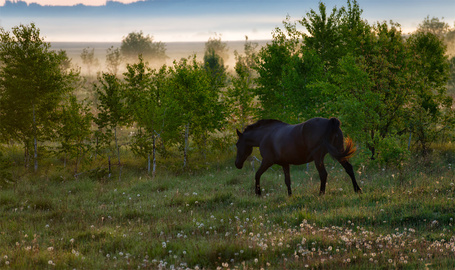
[[211, 218]]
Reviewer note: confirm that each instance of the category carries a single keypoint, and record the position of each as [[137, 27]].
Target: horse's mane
[[262, 123]]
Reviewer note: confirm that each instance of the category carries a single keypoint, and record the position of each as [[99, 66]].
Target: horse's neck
[[254, 137]]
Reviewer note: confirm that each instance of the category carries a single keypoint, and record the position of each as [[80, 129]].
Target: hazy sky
[[198, 20], [71, 2]]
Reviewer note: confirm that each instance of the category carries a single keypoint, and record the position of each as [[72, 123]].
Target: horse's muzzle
[[238, 165]]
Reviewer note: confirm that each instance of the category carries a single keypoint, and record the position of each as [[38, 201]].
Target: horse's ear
[[239, 133]]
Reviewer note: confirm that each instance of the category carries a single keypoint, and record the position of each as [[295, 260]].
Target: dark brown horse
[[285, 144]]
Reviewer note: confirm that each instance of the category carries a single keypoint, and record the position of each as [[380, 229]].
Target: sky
[[197, 20], [71, 2]]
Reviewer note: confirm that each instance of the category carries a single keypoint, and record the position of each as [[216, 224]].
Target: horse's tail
[[341, 153]]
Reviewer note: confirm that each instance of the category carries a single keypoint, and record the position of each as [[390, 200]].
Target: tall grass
[[211, 219]]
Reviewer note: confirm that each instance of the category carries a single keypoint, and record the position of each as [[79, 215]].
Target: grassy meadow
[[211, 219]]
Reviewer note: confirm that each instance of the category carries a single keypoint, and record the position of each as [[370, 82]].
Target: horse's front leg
[[264, 166], [287, 178]]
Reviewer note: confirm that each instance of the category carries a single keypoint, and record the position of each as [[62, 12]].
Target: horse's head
[[243, 150]]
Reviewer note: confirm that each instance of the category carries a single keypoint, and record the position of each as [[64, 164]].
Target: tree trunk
[[154, 156], [109, 163], [185, 149], [35, 141], [148, 164], [116, 145]]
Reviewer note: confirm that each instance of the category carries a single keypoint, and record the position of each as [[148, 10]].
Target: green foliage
[[272, 60], [145, 90], [378, 83], [74, 134], [214, 65], [193, 105], [33, 82], [289, 75], [240, 95], [135, 44], [111, 111]]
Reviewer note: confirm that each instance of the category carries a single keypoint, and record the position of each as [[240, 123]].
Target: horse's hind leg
[[264, 166], [322, 175], [350, 171], [287, 178]]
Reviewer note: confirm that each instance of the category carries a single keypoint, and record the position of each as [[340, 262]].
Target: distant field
[[174, 50]]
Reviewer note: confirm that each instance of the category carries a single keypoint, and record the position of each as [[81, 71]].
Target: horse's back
[[291, 144]]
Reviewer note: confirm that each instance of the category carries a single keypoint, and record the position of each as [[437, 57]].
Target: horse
[[284, 144]]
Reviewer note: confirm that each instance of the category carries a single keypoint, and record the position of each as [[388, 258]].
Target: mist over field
[[174, 51]]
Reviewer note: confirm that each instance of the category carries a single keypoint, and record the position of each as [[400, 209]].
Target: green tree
[[214, 65], [32, 85], [74, 131], [144, 89], [375, 83], [240, 95], [324, 34], [272, 61], [135, 44], [431, 106], [194, 107], [111, 111], [288, 77]]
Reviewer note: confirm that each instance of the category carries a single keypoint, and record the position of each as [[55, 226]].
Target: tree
[[144, 91], [111, 111], [32, 85], [240, 95], [89, 59], [323, 34], [431, 107], [135, 44], [272, 59], [74, 131], [113, 60], [216, 46], [214, 65], [340, 64], [193, 104], [287, 74], [434, 26]]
